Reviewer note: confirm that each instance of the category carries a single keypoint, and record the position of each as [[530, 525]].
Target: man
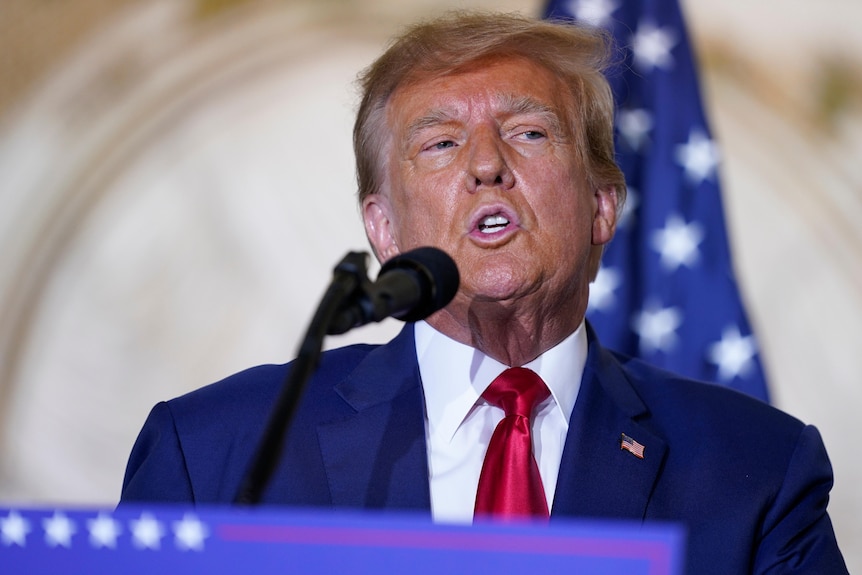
[[490, 137]]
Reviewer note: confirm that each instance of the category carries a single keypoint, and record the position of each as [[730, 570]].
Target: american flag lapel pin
[[632, 446]]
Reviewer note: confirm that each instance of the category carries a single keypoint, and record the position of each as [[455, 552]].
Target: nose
[[487, 164]]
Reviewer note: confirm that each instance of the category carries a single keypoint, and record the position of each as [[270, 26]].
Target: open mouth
[[492, 224]]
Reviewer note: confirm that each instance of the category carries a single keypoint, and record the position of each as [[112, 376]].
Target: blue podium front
[[187, 540]]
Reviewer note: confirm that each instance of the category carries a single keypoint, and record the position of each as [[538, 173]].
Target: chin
[[500, 275], [498, 288]]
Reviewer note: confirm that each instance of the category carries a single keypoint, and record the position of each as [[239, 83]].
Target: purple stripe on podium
[[167, 539]]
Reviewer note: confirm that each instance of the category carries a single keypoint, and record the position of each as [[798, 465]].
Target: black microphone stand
[[348, 277]]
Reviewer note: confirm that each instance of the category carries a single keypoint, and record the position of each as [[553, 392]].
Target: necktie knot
[[517, 391]]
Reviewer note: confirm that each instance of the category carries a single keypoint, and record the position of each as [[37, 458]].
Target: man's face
[[482, 165]]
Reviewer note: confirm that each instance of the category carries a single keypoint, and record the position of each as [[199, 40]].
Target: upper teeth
[[488, 224]]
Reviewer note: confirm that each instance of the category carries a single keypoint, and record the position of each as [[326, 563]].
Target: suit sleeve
[[156, 471], [798, 536]]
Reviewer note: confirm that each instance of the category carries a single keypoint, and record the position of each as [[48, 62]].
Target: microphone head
[[436, 274]]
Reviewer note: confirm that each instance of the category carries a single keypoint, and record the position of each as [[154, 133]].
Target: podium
[[215, 540]]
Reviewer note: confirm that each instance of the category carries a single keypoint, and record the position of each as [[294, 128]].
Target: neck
[[506, 333]]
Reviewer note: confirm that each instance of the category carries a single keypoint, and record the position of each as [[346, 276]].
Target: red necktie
[[510, 485]]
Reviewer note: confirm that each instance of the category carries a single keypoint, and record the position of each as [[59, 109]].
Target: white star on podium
[[147, 533], [14, 529], [104, 531], [58, 530], [190, 533]]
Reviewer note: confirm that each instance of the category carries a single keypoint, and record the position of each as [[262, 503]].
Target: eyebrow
[[511, 104], [524, 105], [435, 117]]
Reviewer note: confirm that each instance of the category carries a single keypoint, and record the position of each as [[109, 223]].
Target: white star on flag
[[593, 12], [602, 289], [629, 208], [190, 533], [656, 327], [147, 533], [104, 531], [14, 529], [58, 530], [677, 242], [634, 126], [651, 46], [734, 354], [699, 157]]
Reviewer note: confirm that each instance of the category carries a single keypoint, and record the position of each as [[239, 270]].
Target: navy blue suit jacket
[[750, 483]]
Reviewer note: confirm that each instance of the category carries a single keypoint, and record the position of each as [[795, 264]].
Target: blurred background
[[176, 183]]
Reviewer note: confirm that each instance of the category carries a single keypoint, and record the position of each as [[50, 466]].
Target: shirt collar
[[454, 375]]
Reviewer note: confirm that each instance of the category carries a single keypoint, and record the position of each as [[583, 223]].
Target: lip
[[496, 209]]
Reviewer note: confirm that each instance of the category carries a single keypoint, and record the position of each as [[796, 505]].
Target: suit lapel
[[377, 457], [597, 478]]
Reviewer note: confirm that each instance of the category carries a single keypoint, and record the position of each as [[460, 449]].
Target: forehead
[[505, 85]]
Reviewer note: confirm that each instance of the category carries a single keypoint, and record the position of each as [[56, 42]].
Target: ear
[[605, 215], [377, 214]]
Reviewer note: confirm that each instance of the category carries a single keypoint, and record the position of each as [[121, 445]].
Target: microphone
[[411, 286]]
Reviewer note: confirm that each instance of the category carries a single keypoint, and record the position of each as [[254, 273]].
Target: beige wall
[[171, 209]]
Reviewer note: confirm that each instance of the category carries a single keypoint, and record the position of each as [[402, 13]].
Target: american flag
[[632, 446], [666, 290]]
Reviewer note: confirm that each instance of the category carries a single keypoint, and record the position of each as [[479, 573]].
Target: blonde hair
[[576, 54]]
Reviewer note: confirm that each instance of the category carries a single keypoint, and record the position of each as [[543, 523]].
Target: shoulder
[[712, 426], [195, 447], [249, 394], [700, 422], [740, 462], [668, 393]]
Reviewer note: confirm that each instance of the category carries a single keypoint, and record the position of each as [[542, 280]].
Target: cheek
[[566, 219], [420, 221], [426, 206]]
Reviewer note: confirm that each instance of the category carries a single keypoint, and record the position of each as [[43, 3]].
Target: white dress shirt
[[459, 423]]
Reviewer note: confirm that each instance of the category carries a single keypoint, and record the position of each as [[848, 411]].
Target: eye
[[533, 135], [442, 145]]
